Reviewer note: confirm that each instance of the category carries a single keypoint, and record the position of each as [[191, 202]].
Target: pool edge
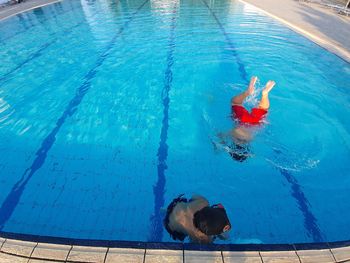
[[22, 246], [24, 7], [170, 245]]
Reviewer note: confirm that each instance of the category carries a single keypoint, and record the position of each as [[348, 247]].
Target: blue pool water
[[110, 109]]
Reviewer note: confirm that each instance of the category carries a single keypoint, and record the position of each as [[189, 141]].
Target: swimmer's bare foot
[[269, 85], [251, 86]]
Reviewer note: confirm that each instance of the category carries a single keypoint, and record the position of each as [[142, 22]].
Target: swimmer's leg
[[239, 99], [265, 102]]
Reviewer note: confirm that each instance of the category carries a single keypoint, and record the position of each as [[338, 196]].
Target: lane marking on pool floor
[[38, 53], [35, 54], [12, 199], [156, 232], [310, 221], [233, 48]]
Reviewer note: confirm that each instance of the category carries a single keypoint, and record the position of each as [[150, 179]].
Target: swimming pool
[[109, 110]]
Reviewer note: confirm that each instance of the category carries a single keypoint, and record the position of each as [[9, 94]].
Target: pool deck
[[322, 26], [13, 251]]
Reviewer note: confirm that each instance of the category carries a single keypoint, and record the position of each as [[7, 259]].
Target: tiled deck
[[23, 251]]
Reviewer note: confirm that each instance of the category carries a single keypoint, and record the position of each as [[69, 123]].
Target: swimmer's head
[[239, 152], [212, 221]]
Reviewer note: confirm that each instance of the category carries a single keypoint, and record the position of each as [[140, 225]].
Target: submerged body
[[181, 218], [194, 218], [242, 134]]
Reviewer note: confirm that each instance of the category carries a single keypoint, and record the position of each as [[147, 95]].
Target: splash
[[290, 160]]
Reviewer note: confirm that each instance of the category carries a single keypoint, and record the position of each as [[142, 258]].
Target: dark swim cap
[[211, 220]]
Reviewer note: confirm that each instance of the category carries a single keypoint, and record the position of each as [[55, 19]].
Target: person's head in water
[[212, 221], [239, 152]]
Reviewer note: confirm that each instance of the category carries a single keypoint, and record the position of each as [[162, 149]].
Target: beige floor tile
[[342, 253], [241, 257], [87, 254], [18, 247], [4, 258], [203, 257], [163, 256], [279, 257], [319, 256], [51, 251], [2, 240], [40, 261], [125, 255]]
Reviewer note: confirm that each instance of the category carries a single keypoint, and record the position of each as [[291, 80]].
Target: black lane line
[[229, 42], [310, 221], [36, 54], [39, 52], [156, 233], [12, 199]]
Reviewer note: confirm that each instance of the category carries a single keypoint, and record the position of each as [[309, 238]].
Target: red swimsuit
[[255, 117]]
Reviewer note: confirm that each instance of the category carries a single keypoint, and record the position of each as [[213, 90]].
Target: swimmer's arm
[[177, 220], [199, 237]]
